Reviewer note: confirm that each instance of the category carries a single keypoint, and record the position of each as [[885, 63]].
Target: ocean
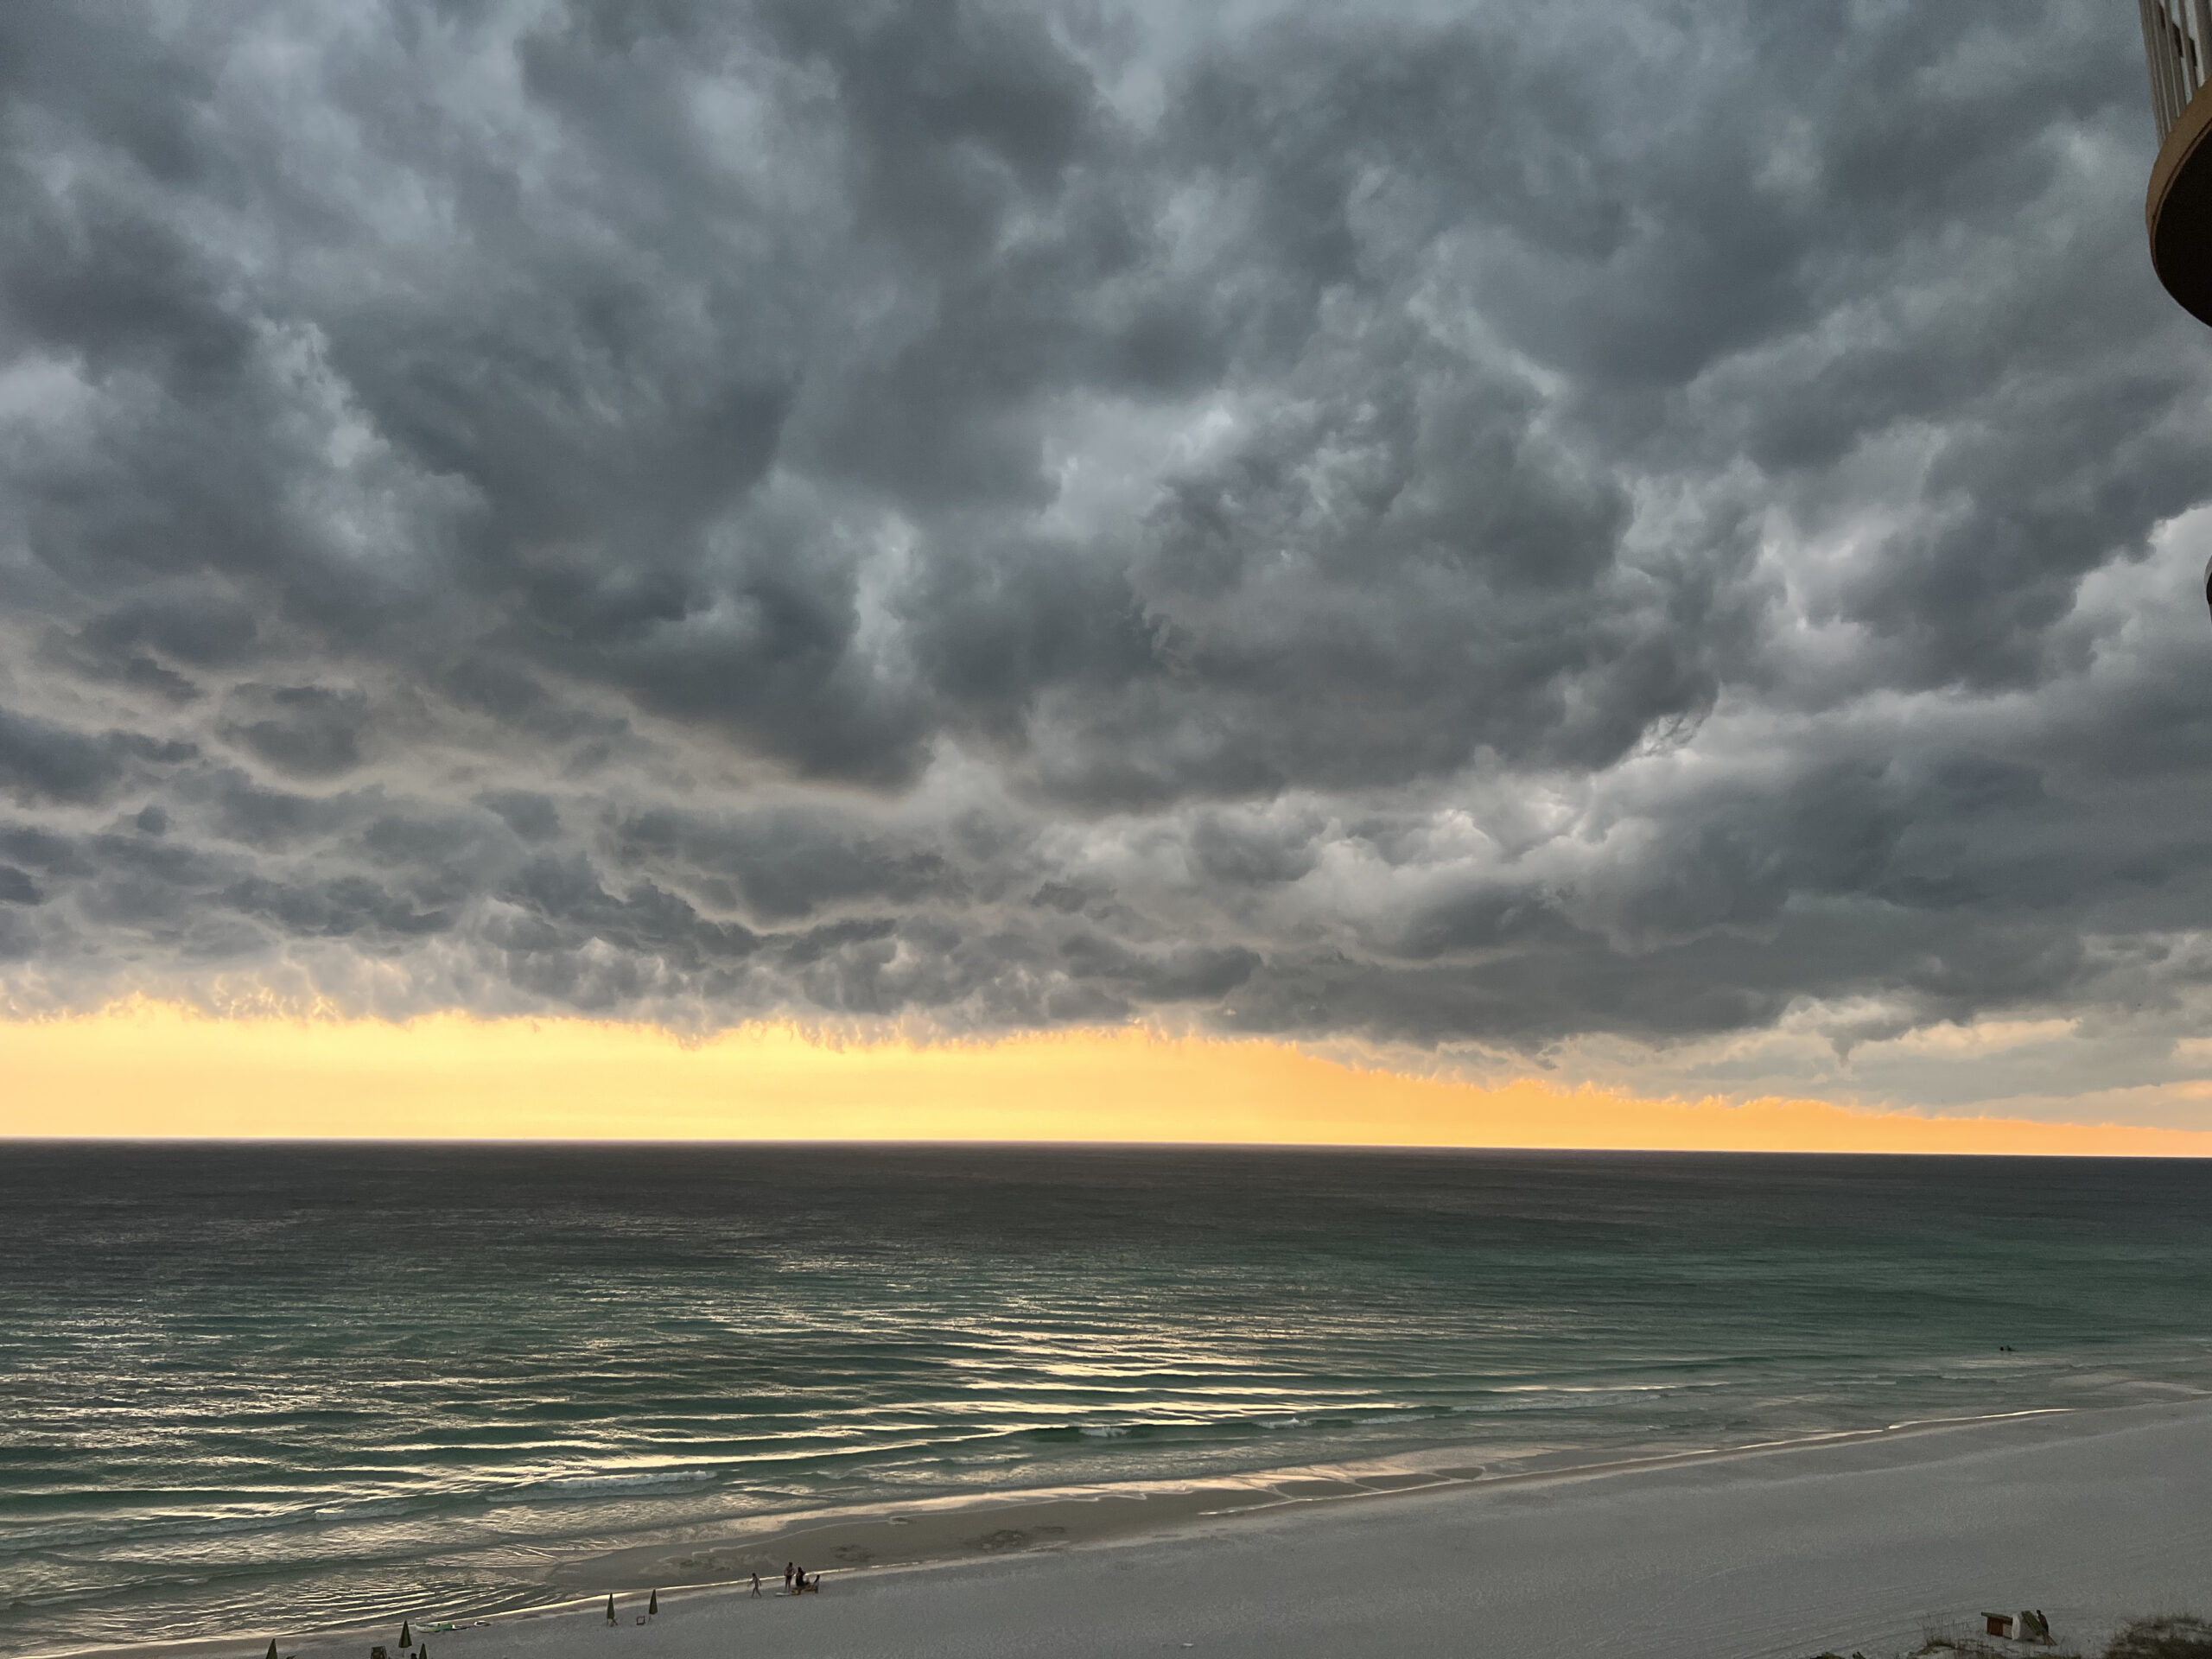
[[251, 1386]]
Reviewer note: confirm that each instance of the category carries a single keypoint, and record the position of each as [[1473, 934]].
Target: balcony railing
[[2177, 35]]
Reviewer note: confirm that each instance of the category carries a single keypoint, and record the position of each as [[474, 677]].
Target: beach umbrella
[[406, 1635], [652, 1603], [272, 1649], [610, 1609]]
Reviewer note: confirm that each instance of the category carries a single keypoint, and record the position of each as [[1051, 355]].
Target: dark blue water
[[242, 1386]]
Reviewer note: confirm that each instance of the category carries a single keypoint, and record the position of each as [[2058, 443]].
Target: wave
[[640, 1481]]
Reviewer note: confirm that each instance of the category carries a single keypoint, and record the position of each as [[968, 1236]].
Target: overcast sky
[[1657, 541]]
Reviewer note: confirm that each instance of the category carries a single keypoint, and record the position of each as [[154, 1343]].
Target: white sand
[[2092, 1517]]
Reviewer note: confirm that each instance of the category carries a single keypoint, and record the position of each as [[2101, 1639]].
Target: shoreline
[[927, 1533], [943, 1538]]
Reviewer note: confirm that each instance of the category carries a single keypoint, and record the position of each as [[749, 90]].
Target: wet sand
[[969, 1528], [1863, 1542]]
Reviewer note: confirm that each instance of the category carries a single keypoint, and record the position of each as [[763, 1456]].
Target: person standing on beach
[[756, 1584], [788, 1568]]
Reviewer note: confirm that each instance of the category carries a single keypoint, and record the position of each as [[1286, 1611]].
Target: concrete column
[[2178, 37], [2169, 71], [2151, 62]]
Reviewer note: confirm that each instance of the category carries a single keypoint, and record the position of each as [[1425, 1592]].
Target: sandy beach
[[1861, 1544]]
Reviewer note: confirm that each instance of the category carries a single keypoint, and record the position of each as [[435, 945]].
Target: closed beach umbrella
[[652, 1603], [610, 1609], [272, 1648], [406, 1637]]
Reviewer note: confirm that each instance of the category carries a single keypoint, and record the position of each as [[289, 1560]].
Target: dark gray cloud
[[1504, 525]]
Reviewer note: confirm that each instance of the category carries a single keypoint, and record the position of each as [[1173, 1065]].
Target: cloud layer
[[1518, 527]]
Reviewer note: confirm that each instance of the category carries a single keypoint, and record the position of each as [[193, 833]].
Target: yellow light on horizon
[[149, 1070]]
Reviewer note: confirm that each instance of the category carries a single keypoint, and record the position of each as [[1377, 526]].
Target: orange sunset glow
[[152, 1072]]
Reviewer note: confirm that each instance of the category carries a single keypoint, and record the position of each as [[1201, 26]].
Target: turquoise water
[[249, 1386]]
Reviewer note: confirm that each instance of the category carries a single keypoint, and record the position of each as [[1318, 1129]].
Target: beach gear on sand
[[610, 1609], [272, 1648], [653, 1605], [406, 1637]]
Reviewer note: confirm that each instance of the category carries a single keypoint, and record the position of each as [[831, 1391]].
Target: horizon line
[[922, 1142]]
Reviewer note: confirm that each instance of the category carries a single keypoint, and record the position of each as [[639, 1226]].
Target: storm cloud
[[1489, 527]]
